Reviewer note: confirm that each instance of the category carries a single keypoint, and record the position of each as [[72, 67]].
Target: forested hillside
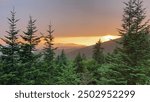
[[127, 64]]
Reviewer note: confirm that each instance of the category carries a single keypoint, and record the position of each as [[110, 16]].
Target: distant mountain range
[[72, 50], [67, 47]]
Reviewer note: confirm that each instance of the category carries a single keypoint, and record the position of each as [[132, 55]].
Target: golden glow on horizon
[[108, 37], [85, 40]]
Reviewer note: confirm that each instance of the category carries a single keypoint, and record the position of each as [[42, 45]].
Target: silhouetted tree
[[98, 55], [49, 49], [9, 52], [132, 59], [30, 41], [49, 66], [28, 58]]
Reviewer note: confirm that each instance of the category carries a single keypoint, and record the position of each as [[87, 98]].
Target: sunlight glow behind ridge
[[83, 40], [90, 40]]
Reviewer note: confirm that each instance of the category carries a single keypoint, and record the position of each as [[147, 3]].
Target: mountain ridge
[[108, 46]]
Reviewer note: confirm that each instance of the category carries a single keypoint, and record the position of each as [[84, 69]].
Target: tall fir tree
[[28, 58], [30, 41], [49, 49], [132, 59], [9, 52], [49, 64], [98, 55]]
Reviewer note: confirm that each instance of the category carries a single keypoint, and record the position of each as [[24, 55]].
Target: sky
[[70, 18]]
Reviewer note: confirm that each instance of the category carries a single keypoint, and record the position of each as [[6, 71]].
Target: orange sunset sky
[[75, 21]]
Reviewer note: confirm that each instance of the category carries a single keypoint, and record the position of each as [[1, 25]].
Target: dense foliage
[[22, 63]]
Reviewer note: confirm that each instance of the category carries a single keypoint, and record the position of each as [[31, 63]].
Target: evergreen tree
[[30, 41], [49, 65], [68, 76], [9, 52], [98, 55], [61, 59], [49, 53], [135, 35], [28, 58], [91, 74], [131, 59], [78, 63], [114, 71], [62, 64], [86, 78]]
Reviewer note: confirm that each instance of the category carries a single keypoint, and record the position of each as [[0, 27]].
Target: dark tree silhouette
[[134, 54], [10, 53], [98, 55]]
